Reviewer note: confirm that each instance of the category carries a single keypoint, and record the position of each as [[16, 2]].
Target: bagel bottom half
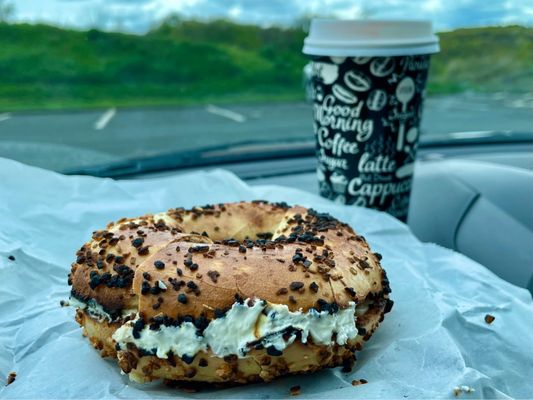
[[297, 358]]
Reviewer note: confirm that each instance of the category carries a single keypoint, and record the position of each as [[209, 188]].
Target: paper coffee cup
[[368, 83]]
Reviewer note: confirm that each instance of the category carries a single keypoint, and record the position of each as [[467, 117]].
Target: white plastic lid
[[353, 38]]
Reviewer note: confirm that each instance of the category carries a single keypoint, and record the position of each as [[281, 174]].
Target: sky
[[138, 16]]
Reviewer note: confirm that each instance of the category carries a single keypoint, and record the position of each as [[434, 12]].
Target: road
[[59, 140]]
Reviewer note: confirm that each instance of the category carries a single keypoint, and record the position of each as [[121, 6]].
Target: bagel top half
[[201, 261]]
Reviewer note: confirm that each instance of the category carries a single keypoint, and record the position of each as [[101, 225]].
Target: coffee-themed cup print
[[367, 108], [343, 95]]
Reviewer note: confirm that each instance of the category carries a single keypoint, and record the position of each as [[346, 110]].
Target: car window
[[91, 83]]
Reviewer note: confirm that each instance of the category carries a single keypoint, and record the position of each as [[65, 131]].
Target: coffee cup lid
[[369, 38]]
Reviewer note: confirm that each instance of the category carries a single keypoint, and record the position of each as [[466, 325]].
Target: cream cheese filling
[[95, 310], [272, 325]]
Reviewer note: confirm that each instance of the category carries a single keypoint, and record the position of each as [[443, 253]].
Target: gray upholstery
[[482, 210]]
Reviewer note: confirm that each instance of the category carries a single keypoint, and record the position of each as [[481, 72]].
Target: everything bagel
[[234, 293]]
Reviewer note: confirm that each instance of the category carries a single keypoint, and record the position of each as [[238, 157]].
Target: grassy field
[[188, 62]]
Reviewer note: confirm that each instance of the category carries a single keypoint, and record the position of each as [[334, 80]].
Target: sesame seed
[[182, 298], [187, 359], [145, 287], [213, 275], [142, 251], [199, 249], [388, 306], [350, 291], [272, 351], [202, 363], [296, 285], [219, 313], [137, 242]]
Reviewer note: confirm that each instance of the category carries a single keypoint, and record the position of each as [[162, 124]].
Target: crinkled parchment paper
[[434, 339]]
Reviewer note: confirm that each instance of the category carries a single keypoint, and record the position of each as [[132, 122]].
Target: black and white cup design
[[367, 114]]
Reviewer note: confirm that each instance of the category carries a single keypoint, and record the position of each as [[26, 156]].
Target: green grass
[[484, 59], [189, 62]]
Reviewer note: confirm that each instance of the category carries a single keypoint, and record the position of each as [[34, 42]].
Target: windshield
[[91, 83]]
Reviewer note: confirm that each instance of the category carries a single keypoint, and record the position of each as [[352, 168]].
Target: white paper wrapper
[[434, 339]]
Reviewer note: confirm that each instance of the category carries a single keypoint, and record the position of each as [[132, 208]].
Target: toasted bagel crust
[[193, 262]]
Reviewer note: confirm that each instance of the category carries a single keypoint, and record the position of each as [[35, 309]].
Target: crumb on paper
[[489, 319], [295, 390], [357, 382], [64, 303], [462, 389], [11, 258], [11, 378]]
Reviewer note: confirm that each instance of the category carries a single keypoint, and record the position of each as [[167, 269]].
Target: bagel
[[228, 293]]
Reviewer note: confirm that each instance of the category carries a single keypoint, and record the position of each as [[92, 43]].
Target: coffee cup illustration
[[357, 81], [361, 60], [405, 91], [377, 99], [328, 73], [338, 182], [382, 66], [343, 94]]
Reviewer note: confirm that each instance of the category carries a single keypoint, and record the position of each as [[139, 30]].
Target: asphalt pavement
[[59, 140]]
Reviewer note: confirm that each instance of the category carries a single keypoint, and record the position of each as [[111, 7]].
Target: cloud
[[432, 5], [139, 15]]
